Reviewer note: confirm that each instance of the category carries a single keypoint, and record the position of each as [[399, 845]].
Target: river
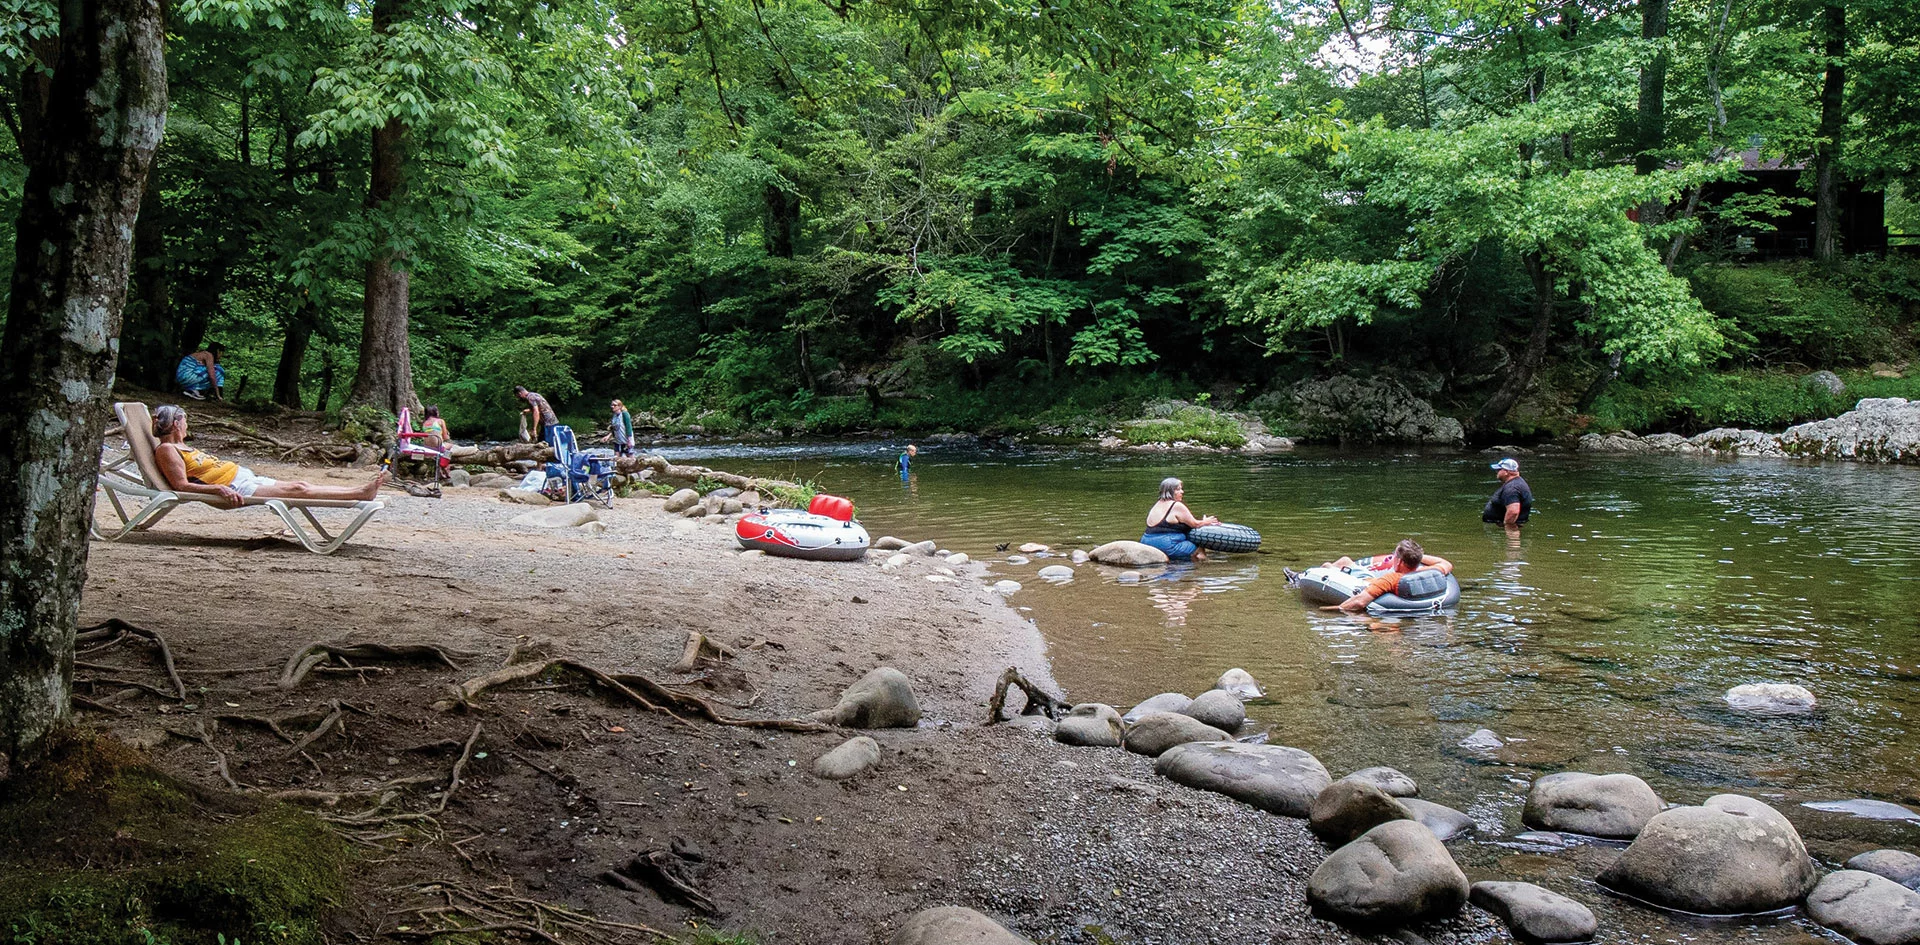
[[1602, 639]]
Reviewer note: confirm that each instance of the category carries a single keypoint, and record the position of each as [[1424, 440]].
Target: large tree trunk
[[293, 356], [1650, 126], [385, 375], [1521, 374], [1833, 121], [146, 341], [105, 109]]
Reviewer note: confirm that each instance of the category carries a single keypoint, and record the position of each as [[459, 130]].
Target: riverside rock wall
[[1876, 430]]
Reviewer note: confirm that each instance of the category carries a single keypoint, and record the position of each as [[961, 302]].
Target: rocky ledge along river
[[1877, 430]]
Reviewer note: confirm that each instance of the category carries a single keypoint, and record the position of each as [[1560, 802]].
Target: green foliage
[[1759, 400], [366, 423], [1797, 312], [1180, 422], [793, 497]]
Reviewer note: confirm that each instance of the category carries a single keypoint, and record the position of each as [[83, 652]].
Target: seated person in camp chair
[[1407, 558], [189, 470]]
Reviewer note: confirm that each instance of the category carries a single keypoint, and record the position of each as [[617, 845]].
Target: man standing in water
[[1512, 503]]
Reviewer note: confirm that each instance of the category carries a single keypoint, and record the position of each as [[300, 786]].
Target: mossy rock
[[113, 852]]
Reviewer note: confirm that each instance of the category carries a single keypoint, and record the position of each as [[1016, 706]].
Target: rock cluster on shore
[[1879, 430]]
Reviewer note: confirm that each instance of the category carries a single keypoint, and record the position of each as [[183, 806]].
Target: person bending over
[[437, 438], [200, 375], [1408, 557], [1170, 521], [544, 419], [188, 470]]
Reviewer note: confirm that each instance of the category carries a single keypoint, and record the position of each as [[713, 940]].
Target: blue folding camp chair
[[578, 475]]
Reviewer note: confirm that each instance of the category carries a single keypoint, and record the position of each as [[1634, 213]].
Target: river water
[[1602, 639]]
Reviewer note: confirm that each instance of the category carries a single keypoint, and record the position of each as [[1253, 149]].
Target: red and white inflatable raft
[[826, 531]]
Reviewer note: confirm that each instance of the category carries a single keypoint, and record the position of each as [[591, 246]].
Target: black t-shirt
[[1511, 491]]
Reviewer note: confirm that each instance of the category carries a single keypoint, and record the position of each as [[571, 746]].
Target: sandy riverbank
[[1065, 845]]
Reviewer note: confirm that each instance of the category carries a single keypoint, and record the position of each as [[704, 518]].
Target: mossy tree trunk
[[1833, 126], [105, 108]]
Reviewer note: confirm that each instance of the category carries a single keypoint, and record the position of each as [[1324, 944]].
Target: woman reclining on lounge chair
[[189, 470]]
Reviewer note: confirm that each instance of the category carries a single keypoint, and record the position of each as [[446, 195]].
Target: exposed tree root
[[334, 719], [220, 757], [463, 909], [112, 630], [1039, 701], [459, 766], [310, 657], [633, 688], [699, 647]]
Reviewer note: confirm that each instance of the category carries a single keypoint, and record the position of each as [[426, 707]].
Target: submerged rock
[[883, 698], [1869, 909], [1006, 587], [1535, 914], [1156, 732], [1218, 708], [1055, 572], [1616, 806], [1395, 874], [853, 756], [1131, 554], [1771, 698], [1274, 778], [1241, 683], [1732, 855], [1346, 809], [1445, 822], [955, 925], [1865, 809], [1482, 740]]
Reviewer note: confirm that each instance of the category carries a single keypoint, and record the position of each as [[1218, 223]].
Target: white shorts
[[246, 481]]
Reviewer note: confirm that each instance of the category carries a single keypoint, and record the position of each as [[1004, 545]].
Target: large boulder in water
[[1091, 725], [1445, 822], [1390, 780], [1869, 909], [1732, 855], [1615, 806], [1534, 914], [1156, 732], [1274, 778], [1218, 708], [955, 925], [882, 698], [1164, 702], [1395, 874], [1128, 554], [1346, 809], [1771, 698], [1241, 683], [1367, 410]]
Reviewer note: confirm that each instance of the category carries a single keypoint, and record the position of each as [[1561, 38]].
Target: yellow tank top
[[204, 468]]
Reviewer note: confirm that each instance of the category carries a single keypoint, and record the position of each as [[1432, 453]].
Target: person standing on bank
[[620, 429], [544, 418], [1512, 503]]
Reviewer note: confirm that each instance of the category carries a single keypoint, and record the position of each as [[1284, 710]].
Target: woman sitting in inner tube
[[1407, 558], [1169, 521]]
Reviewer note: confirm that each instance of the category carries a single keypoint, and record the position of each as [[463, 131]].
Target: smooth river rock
[[1218, 708], [1156, 732], [1091, 725], [681, 501], [1536, 914], [1055, 572], [958, 559], [1128, 554], [1870, 909], [853, 756], [1445, 822], [883, 698], [1615, 806], [1241, 683], [1006, 587], [925, 548], [1346, 809], [1732, 855], [1164, 702], [955, 925], [1386, 779], [1274, 778], [1395, 874], [890, 543], [1897, 865]]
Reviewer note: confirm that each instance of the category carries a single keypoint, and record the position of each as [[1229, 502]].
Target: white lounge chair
[[136, 477]]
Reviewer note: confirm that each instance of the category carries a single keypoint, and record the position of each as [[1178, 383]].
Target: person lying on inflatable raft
[[1406, 558]]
